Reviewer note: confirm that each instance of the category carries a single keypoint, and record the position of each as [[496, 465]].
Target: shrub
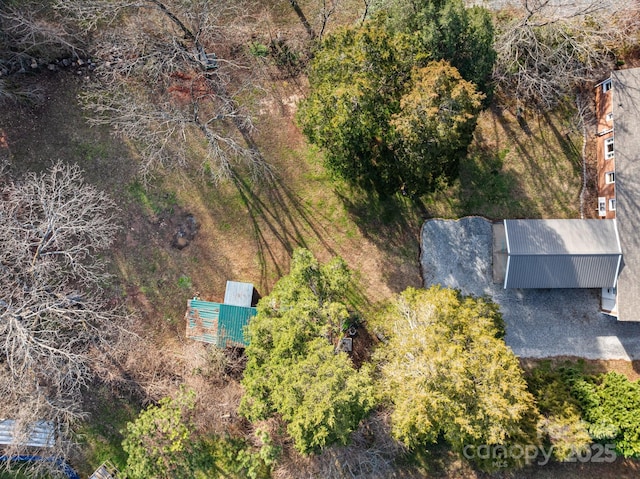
[[611, 403], [561, 424]]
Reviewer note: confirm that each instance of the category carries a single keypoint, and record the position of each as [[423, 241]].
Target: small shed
[[562, 253], [222, 324], [238, 294], [38, 434]]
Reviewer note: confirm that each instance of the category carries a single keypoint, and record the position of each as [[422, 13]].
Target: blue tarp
[[66, 468]]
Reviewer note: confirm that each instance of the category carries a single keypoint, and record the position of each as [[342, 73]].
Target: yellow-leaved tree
[[448, 374]]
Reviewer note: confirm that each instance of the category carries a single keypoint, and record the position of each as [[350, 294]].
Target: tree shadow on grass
[[279, 220], [550, 162], [487, 189], [393, 224]]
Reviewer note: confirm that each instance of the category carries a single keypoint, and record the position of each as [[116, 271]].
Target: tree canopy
[[163, 442], [157, 442], [448, 373], [447, 30], [355, 79], [435, 123], [380, 91], [293, 368], [610, 404]]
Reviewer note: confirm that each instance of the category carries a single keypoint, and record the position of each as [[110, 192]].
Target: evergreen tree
[[293, 369], [370, 83], [434, 126]]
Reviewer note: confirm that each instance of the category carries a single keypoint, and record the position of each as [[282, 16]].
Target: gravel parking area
[[539, 323]]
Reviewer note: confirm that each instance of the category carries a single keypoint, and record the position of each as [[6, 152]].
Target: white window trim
[[609, 154], [612, 204], [602, 206], [606, 86], [609, 174], [609, 116]]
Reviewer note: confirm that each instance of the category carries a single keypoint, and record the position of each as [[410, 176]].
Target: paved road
[[539, 323]]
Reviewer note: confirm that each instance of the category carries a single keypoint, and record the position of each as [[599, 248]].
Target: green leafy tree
[[447, 30], [434, 125], [158, 440], [293, 369], [356, 78], [561, 420], [370, 90], [163, 443], [448, 373], [610, 404]]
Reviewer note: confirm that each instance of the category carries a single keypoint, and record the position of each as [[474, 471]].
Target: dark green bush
[[561, 422], [611, 405]]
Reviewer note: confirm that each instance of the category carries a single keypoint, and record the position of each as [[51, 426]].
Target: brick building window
[[609, 177], [608, 148]]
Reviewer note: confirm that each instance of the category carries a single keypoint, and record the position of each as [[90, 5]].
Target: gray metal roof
[[39, 434], [545, 237], [238, 294], [626, 114], [561, 253]]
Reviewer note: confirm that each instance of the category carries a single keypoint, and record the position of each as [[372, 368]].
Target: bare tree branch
[[547, 48], [29, 38], [326, 12], [165, 83], [55, 318]]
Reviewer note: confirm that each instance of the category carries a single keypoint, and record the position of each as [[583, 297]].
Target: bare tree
[[29, 38], [56, 320], [545, 49], [170, 78], [327, 10]]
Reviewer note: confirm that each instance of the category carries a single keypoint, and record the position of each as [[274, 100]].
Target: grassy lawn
[[517, 168], [101, 436]]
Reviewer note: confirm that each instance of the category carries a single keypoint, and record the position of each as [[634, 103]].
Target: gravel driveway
[[539, 323]]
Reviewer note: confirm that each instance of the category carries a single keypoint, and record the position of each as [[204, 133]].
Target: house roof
[[561, 253], [626, 114]]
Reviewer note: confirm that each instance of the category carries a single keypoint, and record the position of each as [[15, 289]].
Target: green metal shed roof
[[219, 324]]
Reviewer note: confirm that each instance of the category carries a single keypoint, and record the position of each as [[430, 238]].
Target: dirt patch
[[56, 129], [363, 344], [139, 300]]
